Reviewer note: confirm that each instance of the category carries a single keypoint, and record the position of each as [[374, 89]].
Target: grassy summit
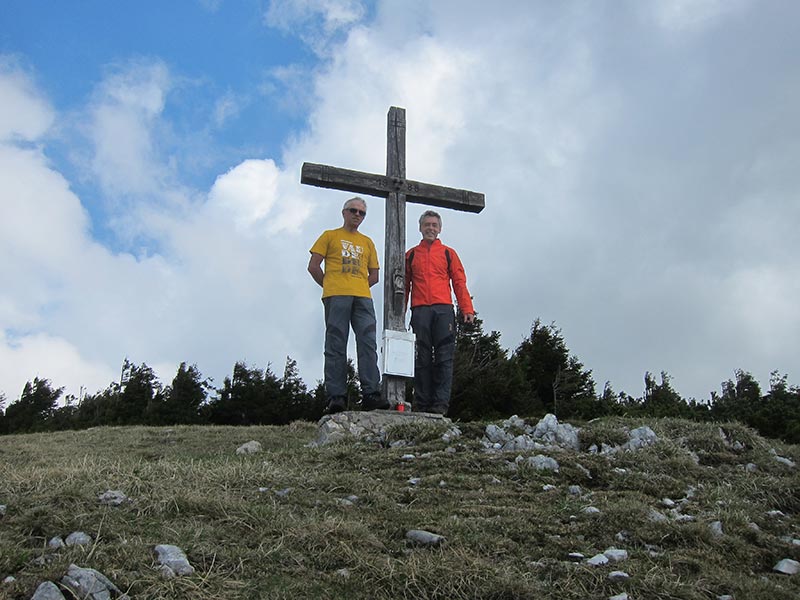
[[331, 522]]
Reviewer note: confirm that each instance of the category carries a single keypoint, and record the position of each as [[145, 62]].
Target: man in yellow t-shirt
[[351, 268]]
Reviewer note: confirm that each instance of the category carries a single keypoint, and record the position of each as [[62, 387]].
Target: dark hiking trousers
[[435, 329]]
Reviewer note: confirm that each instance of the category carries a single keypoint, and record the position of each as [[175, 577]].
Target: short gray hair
[[354, 199], [430, 213]]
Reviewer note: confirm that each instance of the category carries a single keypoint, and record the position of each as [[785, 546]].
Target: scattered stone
[[623, 536], [442, 483], [414, 480], [667, 503], [496, 434], [782, 459], [173, 561], [598, 560], [622, 596], [283, 493], [753, 527], [90, 584], [787, 566], [548, 487], [47, 591], [113, 498], [55, 543], [425, 538], [3, 509], [263, 490], [9, 579], [78, 538], [620, 471], [656, 517], [408, 457], [618, 576], [716, 528], [550, 431], [641, 437], [751, 467], [344, 502], [251, 447], [616, 554], [776, 514], [344, 573], [725, 597], [680, 517], [575, 490], [451, 434], [540, 462], [369, 426], [591, 510], [575, 556]]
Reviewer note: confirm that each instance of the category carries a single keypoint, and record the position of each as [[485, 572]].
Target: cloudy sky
[[639, 160]]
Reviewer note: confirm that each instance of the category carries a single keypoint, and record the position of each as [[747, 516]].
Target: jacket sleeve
[[459, 279]]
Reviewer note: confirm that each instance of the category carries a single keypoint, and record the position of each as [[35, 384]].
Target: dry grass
[[506, 536]]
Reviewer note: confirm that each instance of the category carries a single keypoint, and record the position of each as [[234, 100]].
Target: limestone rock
[[91, 584], [47, 591], [78, 538], [424, 538], [113, 498], [368, 425], [173, 560], [251, 447], [787, 566]]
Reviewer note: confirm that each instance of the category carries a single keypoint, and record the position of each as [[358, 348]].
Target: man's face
[[430, 228], [354, 214]]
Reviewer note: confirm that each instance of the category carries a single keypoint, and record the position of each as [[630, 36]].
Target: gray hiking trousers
[[342, 312]]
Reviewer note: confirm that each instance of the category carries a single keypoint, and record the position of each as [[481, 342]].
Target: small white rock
[[78, 538], [618, 576], [251, 447], [616, 554], [598, 560], [787, 566]]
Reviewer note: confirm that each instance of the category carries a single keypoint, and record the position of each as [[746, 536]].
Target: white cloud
[[122, 118], [52, 358], [246, 192], [25, 115], [317, 22], [695, 15]]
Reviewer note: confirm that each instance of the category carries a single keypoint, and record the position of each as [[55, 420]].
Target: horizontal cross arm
[[372, 184]]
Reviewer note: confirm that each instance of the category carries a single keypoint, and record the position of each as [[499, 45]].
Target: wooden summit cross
[[397, 190]]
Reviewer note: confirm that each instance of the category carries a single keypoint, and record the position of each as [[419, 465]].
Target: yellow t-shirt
[[348, 257]]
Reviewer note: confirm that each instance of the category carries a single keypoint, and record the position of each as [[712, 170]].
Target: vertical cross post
[[397, 190]]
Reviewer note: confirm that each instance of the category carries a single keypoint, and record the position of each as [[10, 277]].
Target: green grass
[[506, 537]]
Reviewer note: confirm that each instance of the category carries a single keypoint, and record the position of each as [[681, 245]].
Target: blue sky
[[639, 161]]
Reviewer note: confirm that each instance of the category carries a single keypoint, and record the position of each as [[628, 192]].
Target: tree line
[[539, 376]]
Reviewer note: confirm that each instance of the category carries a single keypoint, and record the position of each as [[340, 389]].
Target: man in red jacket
[[431, 267]]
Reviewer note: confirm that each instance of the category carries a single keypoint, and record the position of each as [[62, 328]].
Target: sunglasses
[[356, 211]]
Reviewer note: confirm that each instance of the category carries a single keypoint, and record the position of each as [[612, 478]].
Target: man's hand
[[469, 318]]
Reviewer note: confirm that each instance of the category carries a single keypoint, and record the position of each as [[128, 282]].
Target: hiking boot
[[336, 405], [374, 401]]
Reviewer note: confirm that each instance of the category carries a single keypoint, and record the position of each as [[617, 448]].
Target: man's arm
[[459, 279], [315, 267], [373, 277]]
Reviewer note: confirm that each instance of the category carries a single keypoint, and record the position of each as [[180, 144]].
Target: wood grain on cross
[[397, 190]]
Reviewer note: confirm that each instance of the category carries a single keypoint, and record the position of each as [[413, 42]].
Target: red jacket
[[430, 268]]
